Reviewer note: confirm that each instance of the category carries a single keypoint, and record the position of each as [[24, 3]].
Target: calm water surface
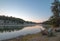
[[24, 31]]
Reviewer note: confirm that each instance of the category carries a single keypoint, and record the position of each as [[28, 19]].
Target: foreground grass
[[28, 37], [25, 38]]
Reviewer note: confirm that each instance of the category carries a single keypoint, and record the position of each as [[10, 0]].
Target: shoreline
[[36, 37], [20, 25], [21, 37], [26, 25]]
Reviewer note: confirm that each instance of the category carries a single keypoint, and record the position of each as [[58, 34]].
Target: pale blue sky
[[29, 10]]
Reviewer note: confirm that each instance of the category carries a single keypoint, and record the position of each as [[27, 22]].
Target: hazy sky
[[29, 10]]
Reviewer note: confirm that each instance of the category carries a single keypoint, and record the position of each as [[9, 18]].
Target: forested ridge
[[12, 20]]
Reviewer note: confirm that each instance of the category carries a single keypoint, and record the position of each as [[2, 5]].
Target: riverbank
[[36, 37], [19, 25]]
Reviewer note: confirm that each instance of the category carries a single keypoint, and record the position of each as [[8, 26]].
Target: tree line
[[6, 20]]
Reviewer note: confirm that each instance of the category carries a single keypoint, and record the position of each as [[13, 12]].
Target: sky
[[29, 10]]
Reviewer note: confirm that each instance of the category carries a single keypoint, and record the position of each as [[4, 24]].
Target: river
[[26, 30]]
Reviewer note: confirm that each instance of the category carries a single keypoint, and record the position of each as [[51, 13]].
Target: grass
[[26, 37]]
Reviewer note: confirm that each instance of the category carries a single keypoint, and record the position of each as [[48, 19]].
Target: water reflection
[[10, 28], [24, 31]]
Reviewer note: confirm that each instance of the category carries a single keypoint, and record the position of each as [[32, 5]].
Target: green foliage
[[55, 18], [12, 19], [56, 11], [54, 21]]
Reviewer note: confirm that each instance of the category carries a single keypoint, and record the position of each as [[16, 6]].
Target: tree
[[55, 19], [55, 9]]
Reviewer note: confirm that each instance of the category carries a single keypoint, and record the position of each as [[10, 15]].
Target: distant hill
[[13, 20]]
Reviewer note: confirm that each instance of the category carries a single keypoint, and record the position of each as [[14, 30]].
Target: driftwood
[[44, 32], [57, 30], [48, 32]]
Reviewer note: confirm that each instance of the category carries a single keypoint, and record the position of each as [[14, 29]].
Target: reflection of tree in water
[[10, 28]]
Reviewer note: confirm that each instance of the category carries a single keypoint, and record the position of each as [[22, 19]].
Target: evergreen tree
[[56, 11]]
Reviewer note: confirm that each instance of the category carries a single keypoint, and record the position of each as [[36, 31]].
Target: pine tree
[[56, 12]]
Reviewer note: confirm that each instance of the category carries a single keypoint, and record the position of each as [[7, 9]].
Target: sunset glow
[[29, 10]]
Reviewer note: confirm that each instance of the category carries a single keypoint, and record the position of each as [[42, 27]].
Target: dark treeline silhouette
[[13, 20], [7, 19], [55, 18]]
